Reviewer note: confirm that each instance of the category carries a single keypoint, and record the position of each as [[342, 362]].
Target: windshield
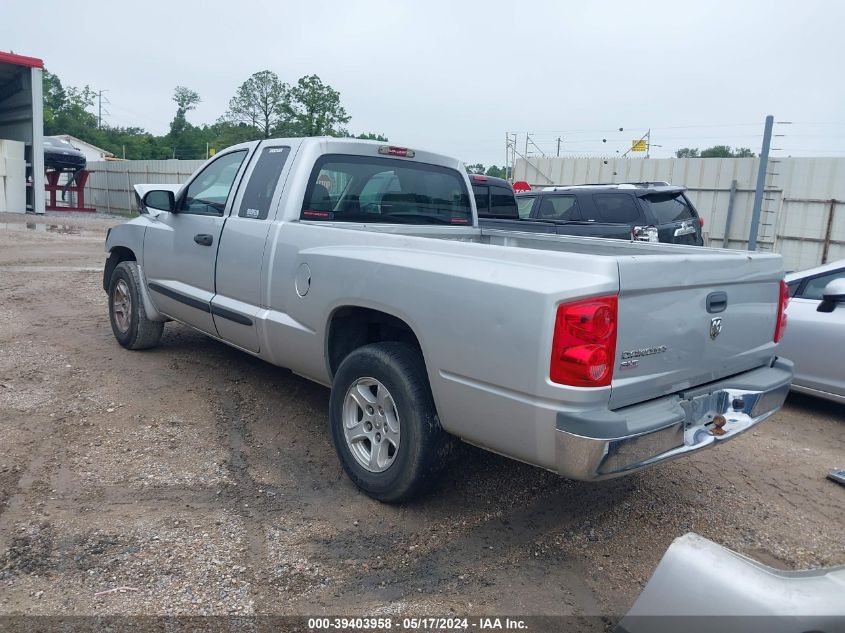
[[668, 208], [59, 143], [385, 190]]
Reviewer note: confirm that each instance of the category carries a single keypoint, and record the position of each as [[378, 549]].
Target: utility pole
[[100, 107], [648, 143], [558, 146], [507, 151], [761, 183]]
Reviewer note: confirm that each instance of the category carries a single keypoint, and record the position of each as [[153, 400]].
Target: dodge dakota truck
[[361, 266]]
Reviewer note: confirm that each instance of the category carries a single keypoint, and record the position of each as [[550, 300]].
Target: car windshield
[[58, 143], [668, 208], [385, 190]]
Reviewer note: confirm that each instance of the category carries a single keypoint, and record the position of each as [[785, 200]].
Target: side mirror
[[834, 293], [160, 199]]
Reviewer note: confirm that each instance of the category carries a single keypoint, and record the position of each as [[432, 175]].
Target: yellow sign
[[211, 151], [639, 146]]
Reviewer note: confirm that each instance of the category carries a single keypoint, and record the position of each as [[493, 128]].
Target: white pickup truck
[[361, 266]]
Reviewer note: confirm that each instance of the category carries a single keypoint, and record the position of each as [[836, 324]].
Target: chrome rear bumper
[[675, 425]]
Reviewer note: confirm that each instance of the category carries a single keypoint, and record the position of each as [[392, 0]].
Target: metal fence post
[[828, 230], [729, 218], [761, 183], [128, 191]]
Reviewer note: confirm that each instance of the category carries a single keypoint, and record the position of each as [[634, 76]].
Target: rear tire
[[396, 454], [129, 322]]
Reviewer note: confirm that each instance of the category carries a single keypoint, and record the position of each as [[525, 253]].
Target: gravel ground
[[194, 479]]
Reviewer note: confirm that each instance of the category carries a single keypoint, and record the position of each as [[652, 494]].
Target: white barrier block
[[11, 149]]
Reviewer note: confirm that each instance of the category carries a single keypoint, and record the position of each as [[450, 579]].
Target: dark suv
[[656, 212]]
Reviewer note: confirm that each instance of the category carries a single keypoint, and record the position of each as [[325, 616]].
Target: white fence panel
[[109, 188]]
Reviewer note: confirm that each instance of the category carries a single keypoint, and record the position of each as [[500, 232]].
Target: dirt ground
[[203, 481]]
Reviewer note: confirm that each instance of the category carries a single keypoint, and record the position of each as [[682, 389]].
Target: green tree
[[369, 136], [314, 108], [54, 99], [498, 172], [66, 109], [261, 102], [225, 133], [477, 168], [717, 151], [186, 99], [185, 140]]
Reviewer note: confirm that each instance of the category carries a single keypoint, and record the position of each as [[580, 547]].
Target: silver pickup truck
[[361, 266]]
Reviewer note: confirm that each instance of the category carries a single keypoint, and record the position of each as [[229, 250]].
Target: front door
[[180, 248]]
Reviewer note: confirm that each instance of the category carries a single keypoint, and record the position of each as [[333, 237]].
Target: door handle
[[717, 302], [203, 239]]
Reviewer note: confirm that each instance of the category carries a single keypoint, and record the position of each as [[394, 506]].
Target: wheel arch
[[116, 255], [350, 327]]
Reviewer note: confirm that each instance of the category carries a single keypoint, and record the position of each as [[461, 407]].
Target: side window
[[502, 202], [814, 287], [524, 205], [617, 208], [482, 199], [258, 194], [208, 192], [559, 208]]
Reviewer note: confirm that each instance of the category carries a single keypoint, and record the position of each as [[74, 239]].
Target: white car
[[815, 335]]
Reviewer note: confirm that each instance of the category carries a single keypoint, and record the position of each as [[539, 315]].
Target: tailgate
[[673, 333]]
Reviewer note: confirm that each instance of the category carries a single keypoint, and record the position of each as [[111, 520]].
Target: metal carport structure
[[22, 119]]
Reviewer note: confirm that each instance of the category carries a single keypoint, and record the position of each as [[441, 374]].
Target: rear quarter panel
[[483, 315]]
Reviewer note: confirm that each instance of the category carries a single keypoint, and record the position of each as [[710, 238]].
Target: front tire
[[384, 424], [129, 322]]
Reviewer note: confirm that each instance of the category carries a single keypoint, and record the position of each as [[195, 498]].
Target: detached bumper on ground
[[613, 443], [700, 586]]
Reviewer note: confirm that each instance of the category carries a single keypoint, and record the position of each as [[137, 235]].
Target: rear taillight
[[584, 343], [701, 222], [783, 302], [392, 150]]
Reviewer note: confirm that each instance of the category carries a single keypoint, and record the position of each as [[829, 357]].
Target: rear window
[[502, 203], [385, 190], [482, 199], [669, 208], [617, 208]]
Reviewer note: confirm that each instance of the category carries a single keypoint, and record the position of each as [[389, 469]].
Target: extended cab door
[[180, 248], [237, 304]]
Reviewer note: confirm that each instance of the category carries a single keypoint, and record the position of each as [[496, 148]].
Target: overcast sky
[[456, 76]]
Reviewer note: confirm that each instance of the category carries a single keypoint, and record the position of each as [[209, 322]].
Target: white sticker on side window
[[252, 213]]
